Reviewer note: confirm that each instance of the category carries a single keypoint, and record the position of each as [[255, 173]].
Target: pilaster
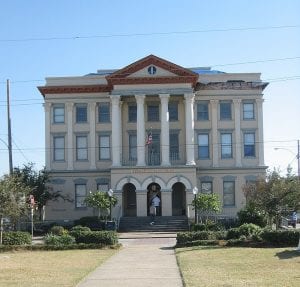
[[165, 130], [214, 123], [116, 130], [70, 148], [140, 130], [237, 125]]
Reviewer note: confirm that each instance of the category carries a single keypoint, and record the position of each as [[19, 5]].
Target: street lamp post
[[195, 192], [110, 194]]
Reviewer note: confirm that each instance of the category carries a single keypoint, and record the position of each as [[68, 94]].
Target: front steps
[[162, 224]]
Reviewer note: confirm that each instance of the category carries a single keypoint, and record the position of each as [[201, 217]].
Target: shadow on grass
[[194, 248], [287, 254]]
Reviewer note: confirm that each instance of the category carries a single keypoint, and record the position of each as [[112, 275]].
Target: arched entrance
[[152, 190], [178, 199], [129, 200]]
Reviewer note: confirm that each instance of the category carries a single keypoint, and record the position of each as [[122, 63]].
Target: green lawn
[[49, 268], [219, 266]]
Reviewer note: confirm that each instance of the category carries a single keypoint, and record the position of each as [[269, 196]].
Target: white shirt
[[156, 201]]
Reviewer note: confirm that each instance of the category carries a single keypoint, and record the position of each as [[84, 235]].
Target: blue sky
[[27, 63]]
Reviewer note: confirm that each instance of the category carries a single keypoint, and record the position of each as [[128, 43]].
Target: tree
[[207, 204], [274, 195], [100, 200], [38, 181], [13, 193]]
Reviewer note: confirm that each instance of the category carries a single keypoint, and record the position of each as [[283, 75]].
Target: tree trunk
[[1, 229]]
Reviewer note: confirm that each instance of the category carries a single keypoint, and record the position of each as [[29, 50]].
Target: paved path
[[146, 259]]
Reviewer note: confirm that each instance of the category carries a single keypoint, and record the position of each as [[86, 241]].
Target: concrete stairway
[[162, 224]]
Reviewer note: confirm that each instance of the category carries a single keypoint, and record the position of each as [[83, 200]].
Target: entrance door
[[152, 190], [129, 200], [178, 199]]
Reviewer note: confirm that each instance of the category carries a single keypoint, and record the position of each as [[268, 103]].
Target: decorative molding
[[236, 85], [74, 89]]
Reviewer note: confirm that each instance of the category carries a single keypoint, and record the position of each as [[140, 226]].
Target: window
[[206, 187], [248, 111], [249, 144], [203, 146], [132, 147], [174, 147], [226, 145], [132, 113], [81, 148], [80, 195], [81, 113], [173, 112], [202, 111], [102, 186], [225, 111], [104, 148], [228, 193], [59, 148], [153, 113], [58, 114], [104, 113]]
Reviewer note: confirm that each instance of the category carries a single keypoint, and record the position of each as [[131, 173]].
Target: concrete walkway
[[146, 259]]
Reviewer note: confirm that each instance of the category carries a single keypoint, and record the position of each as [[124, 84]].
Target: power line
[[77, 37]]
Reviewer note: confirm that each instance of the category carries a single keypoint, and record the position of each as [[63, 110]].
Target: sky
[[46, 38]]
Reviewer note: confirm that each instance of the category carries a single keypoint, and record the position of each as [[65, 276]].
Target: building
[[153, 126]]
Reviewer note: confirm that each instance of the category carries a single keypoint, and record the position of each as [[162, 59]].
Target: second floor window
[[59, 148], [58, 114], [248, 111], [226, 145], [81, 113], [249, 144], [203, 146], [132, 113], [153, 113], [81, 148], [104, 147], [103, 113], [174, 147], [132, 147], [202, 111], [225, 111], [173, 111]]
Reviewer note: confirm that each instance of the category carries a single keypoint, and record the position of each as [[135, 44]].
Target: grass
[[49, 268], [219, 266]]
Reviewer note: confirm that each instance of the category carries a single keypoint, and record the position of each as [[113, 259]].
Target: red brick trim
[[74, 89]]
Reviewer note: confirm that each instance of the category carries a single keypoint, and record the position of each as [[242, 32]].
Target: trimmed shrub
[[58, 230], [56, 240], [98, 237], [233, 233], [78, 230], [210, 226], [281, 237], [184, 237], [250, 214], [16, 238], [198, 227], [93, 222], [246, 230], [199, 243]]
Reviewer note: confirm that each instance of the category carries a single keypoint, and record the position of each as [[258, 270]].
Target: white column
[[92, 108], [140, 130], [48, 121], [70, 152], [165, 130], [116, 130], [189, 129], [237, 125], [214, 126], [260, 140]]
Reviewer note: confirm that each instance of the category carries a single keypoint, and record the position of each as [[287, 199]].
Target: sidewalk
[[145, 260]]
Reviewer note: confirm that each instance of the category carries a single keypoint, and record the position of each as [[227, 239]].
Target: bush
[[16, 238], [93, 222], [198, 227], [250, 214], [246, 230], [58, 230], [58, 240], [281, 237], [184, 237], [98, 237], [209, 226], [78, 230]]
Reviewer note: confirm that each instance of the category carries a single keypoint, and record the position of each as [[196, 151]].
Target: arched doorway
[[178, 199], [129, 200], [152, 190]]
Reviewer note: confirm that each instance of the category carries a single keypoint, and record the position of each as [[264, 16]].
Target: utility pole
[[298, 158], [9, 130]]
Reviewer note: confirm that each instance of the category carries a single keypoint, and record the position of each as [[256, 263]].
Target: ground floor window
[[228, 193], [80, 195]]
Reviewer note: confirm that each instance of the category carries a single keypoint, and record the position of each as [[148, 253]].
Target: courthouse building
[[153, 126]]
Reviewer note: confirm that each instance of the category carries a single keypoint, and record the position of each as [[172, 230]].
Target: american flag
[[149, 139]]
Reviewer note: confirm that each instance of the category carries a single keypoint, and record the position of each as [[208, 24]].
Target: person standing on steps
[[154, 208]]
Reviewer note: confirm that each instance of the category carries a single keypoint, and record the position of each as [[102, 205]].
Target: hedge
[[281, 237], [98, 237], [185, 237], [93, 222], [247, 230], [65, 239], [16, 238], [79, 230]]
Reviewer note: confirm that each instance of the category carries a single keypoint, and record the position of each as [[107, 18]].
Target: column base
[[190, 163]]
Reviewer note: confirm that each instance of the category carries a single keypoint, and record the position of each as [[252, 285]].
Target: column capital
[[260, 101], [115, 99], [214, 102], [189, 96], [69, 106], [140, 99], [237, 101], [164, 96]]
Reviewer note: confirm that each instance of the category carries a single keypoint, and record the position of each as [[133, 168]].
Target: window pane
[[248, 110], [104, 113], [202, 111], [206, 187], [203, 146], [228, 193], [81, 148], [80, 195], [102, 186], [132, 147], [132, 113], [59, 148], [174, 147], [153, 113], [173, 111], [225, 111], [58, 114], [249, 144], [226, 146], [104, 152], [81, 114]]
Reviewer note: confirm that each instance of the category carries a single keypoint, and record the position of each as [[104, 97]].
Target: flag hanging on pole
[[149, 139]]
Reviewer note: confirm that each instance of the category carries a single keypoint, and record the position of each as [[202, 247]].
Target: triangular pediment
[[152, 69]]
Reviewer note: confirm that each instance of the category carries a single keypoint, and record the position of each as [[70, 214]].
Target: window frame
[[203, 115], [78, 149], [104, 147], [249, 145], [174, 152], [132, 113], [83, 205], [173, 112], [54, 116], [202, 146], [245, 112], [224, 115], [78, 109], [225, 146], [57, 149], [132, 148], [206, 182], [225, 192], [104, 117], [153, 117]]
